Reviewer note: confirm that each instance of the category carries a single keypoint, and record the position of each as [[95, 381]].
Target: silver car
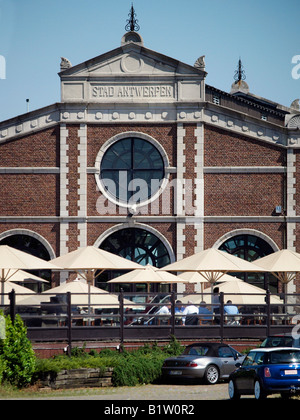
[[206, 361]]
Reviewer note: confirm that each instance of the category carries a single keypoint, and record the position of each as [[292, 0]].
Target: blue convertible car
[[267, 371]]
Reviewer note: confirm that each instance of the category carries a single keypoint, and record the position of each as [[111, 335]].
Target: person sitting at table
[[207, 314], [163, 312], [189, 313], [178, 311], [231, 310]]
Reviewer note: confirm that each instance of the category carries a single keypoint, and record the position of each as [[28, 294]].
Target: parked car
[[267, 371], [281, 340], [206, 361]]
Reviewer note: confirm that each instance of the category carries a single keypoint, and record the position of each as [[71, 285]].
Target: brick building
[[142, 158]]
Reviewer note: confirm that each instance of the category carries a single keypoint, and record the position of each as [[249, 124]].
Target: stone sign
[[132, 91]]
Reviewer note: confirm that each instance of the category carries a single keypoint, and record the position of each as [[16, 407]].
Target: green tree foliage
[[17, 358]]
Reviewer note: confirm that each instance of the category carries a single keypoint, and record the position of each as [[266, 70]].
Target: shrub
[[142, 366], [17, 356], [174, 348], [134, 369]]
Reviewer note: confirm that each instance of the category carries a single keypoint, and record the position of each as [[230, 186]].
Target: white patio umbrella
[[79, 290], [284, 265], [12, 260], [213, 264], [193, 277], [24, 277], [196, 277], [239, 292], [147, 274], [21, 293], [88, 260]]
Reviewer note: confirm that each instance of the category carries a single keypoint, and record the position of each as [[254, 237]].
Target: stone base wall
[[78, 378]]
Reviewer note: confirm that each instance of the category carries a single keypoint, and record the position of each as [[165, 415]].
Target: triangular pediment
[[131, 72], [130, 60]]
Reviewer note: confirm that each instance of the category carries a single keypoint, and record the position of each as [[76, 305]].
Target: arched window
[[137, 245], [250, 248], [131, 170], [32, 246]]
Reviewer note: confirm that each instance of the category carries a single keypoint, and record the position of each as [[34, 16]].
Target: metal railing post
[[221, 316], [12, 305], [268, 311], [121, 299], [69, 317], [173, 313]]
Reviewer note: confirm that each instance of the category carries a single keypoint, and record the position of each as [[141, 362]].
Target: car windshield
[[278, 342], [284, 356], [196, 351]]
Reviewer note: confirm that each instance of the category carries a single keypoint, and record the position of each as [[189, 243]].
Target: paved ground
[[181, 393], [174, 392], [162, 393]]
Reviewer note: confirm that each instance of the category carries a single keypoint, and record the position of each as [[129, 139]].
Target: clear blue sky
[[34, 34]]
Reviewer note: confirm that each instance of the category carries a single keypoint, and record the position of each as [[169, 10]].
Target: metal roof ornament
[[132, 22], [240, 73], [239, 85]]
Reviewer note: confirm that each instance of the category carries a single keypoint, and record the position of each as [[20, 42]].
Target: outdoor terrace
[[54, 318]]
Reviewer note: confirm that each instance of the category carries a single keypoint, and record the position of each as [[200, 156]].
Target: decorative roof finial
[[240, 73], [239, 85], [132, 23]]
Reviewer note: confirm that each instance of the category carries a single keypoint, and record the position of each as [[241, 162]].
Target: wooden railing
[[63, 321]]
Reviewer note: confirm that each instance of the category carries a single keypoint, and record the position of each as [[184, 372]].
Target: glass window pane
[[118, 156], [138, 245], [134, 160], [250, 248]]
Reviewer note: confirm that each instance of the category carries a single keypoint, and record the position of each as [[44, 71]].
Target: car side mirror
[[238, 365]]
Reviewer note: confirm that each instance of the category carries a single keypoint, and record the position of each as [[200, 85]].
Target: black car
[[281, 340]]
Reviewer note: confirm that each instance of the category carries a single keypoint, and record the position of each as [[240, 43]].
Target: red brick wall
[[29, 195], [39, 149], [243, 194], [228, 149]]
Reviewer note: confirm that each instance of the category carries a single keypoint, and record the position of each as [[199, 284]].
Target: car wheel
[[259, 393], [211, 375], [233, 394]]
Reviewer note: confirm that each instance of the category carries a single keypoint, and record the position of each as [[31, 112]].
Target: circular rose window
[[131, 170]]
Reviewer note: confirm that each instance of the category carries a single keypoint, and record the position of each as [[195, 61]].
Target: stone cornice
[[173, 112]]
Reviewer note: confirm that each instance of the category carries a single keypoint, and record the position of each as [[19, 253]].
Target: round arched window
[[131, 170], [250, 248], [33, 247], [138, 245]]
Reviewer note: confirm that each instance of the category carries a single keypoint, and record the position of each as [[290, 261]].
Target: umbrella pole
[[89, 279], [2, 280], [2, 292]]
